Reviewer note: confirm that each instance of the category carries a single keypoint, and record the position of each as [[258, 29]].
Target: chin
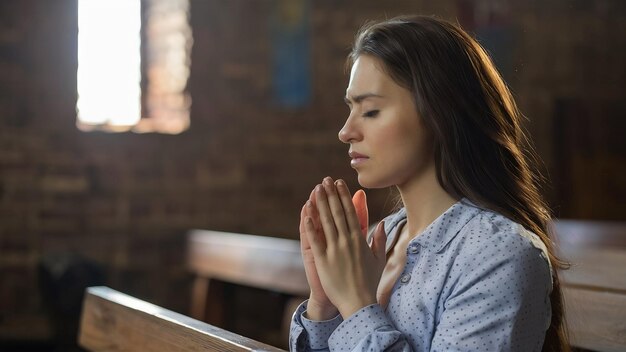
[[372, 182]]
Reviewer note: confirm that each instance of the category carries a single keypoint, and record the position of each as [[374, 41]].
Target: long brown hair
[[481, 150]]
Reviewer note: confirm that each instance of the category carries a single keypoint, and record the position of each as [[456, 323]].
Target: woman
[[466, 264]]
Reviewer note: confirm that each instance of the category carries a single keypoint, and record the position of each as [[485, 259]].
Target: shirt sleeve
[[501, 304], [309, 335], [369, 329]]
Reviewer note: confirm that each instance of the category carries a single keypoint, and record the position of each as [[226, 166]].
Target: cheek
[[407, 138], [410, 145]]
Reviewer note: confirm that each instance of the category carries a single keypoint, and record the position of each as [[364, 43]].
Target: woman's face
[[389, 144]]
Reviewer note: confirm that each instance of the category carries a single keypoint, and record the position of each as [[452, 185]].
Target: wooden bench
[[594, 288], [591, 234], [112, 321], [267, 263]]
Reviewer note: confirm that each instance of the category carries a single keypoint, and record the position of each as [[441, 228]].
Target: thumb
[[379, 241], [360, 205]]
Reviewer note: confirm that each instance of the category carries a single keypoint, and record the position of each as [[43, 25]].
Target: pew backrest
[[594, 287], [591, 233], [258, 261], [113, 321]]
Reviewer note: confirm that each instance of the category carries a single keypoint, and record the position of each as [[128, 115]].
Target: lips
[[355, 155], [357, 158]]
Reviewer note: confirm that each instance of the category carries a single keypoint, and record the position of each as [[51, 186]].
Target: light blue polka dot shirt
[[474, 280]]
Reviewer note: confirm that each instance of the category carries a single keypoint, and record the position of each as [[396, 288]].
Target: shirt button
[[413, 249], [405, 278]]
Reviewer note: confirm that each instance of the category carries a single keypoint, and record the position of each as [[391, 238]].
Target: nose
[[349, 132]]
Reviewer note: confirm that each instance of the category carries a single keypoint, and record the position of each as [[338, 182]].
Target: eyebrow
[[359, 98]]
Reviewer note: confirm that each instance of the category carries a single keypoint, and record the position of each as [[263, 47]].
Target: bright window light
[[109, 63]]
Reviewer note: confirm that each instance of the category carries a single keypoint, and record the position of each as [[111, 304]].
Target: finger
[[379, 241], [303, 213], [360, 204], [325, 217], [336, 207], [306, 210], [317, 244], [349, 209], [312, 196], [304, 241], [311, 210]]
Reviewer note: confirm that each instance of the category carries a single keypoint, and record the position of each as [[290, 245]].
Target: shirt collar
[[441, 231]]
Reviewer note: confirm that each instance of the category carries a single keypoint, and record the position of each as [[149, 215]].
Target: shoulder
[[489, 229], [492, 240]]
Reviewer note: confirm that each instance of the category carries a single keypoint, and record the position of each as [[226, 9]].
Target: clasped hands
[[343, 271]]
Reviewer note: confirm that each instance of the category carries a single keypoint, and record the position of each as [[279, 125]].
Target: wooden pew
[[596, 320], [591, 234], [594, 287], [268, 263], [112, 321]]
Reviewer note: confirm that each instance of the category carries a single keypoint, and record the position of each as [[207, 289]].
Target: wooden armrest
[[113, 321]]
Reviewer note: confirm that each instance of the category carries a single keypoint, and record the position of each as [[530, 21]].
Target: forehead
[[367, 76]]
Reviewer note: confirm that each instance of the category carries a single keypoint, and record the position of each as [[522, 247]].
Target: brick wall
[[246, 165]]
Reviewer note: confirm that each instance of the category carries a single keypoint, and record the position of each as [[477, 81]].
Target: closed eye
[[371, 113]]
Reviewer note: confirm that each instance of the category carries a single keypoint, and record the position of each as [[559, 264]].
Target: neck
[[424, 200]]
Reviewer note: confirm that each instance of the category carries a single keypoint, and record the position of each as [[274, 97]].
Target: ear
[[360, 204]]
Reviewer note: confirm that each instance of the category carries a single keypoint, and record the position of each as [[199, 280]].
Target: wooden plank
[[199, 293], [599, 268], [113, 321], [264, 262], [596, 320], [589, 234]]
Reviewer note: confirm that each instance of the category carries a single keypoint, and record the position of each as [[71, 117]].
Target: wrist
[[319, 312], [348, 310]]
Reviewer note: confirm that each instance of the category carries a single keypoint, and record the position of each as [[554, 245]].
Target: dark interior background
[[125, 201]]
